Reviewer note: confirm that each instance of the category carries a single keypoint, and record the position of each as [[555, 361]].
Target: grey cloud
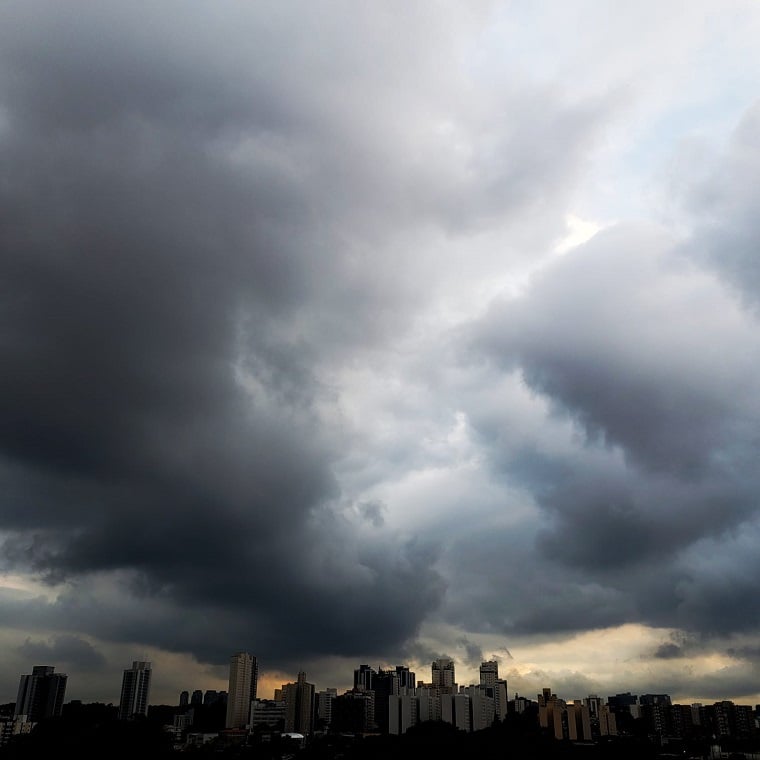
[[65, 652], [661, 398], [473, 653], [723, 203], [668, 651], [372, 511], [209, 215], [161, 256]]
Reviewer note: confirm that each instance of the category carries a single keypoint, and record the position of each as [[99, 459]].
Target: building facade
[[444, 677], [135, 690], [299, 706], [496, 687], [40, 694], [243, 683]]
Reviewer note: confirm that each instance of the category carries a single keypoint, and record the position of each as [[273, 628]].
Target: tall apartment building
[[364, 678], [546, 704], [353, 712], [299, 706], [243, 682], [607, 722], [578, 721], [40, 694], [386, 685], [323, 703], [428, 703], [496, 687], [482, 705], [455, 709], [444, 676], [135, 690], [402, 713], [407, 679]]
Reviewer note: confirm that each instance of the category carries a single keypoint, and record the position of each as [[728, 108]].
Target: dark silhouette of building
[[41, 694], [299, 706], [210, 696], [364, 678], [385, 685], [353, 712]]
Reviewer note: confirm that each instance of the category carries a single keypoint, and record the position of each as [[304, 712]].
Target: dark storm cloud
[[158, 396], [473, 653], [646, 357], [66, 652], [205, 212], [669, 652]]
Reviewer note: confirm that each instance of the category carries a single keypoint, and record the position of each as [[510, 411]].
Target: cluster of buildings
[[384, 701], [591, 718], [392, 701], [41, 695], [381, 701]]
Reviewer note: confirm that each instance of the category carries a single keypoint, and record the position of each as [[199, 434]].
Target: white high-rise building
[[135, 690], [428, 703], [482, 706], [455, 709], [242, 689], [402, 713], [497, 687]]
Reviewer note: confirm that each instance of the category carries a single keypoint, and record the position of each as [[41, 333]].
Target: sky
[[370, 333]]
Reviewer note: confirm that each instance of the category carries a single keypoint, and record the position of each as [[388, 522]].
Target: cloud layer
[[292, 363]]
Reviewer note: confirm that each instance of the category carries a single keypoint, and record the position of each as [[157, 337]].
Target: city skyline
[[382, 333], [244, 678], [390, 701]]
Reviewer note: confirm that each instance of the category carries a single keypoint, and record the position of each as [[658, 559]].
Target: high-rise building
[[547, 702], [489, 673], [364, 678], [594, 703], [455, 709], [135, 690], [607, 722], [41, 694], [386, 684], [482, 705], [579, 721], [443, 675], [244, 675], [210, 697], [428, 703], [406, 678], [299, 706], [353, 712], [402, 713], [323, 702], [496, 687]]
